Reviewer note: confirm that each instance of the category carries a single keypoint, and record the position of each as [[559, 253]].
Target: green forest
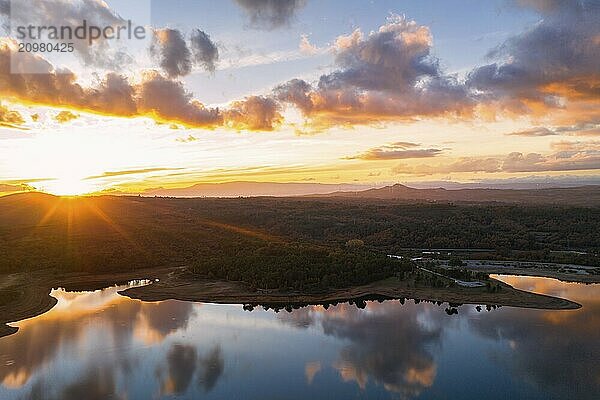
[[498, 231], [291, 243]]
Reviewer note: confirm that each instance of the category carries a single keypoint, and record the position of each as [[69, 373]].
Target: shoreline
[[390, 289], [574, 273], [173, 283]]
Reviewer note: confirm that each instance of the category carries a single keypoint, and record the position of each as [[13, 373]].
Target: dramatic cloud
[[389, 74], [65, 116], [72, 13], [253, 113], [205, 52], [572, 159], [154, 96], [10, 118], [176, 58], [396, 151], [270, 14], [552, 66], [550, 70], [169, 101], [171, 51]]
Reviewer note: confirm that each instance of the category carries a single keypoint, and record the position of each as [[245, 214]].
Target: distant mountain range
[[254, 189], [583, 195]]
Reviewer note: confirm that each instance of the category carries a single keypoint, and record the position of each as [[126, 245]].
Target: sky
[[356, 92]]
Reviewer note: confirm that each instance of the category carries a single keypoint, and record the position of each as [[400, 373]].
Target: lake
[[100, 345]]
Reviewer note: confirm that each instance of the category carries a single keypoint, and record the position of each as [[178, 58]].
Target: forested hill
[[109, 234], [266, 240], [581, 196]]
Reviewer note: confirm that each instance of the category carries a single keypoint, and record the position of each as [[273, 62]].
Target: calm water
[[99, 345]]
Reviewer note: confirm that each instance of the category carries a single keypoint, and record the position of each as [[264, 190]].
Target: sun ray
[[96, 210]]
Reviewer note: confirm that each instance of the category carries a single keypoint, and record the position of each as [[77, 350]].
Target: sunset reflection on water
[[99, 345]]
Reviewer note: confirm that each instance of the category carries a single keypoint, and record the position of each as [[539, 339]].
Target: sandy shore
[[33, 293], [237, 293]]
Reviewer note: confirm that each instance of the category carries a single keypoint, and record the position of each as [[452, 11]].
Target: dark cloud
[[177, 58], [396, 151], [553, 65], [171, 51], [204, 50], [270, 14]]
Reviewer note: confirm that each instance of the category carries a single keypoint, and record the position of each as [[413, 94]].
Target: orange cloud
[[253, 113], [388, 75], [160, 98], [10, 118], [65, 116], [396, 151]]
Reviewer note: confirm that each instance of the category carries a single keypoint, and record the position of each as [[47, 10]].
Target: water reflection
[[100, 345], [556, 350], [386, 343]]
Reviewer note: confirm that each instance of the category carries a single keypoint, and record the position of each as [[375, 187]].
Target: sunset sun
[[68, 186]]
